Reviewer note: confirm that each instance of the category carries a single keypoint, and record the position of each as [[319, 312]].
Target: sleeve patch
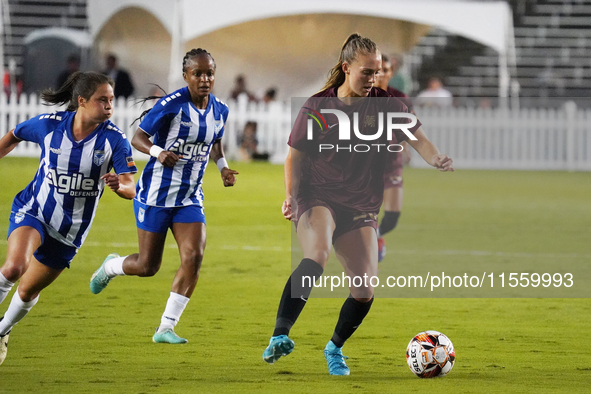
[[164, 101], [51, 116]]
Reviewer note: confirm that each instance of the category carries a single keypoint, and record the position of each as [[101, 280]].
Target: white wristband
[[222, 163], [155, 151]]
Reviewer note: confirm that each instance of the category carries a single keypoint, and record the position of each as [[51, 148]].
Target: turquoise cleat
[[335, 359], [168, 336], [99, 279], [279, 346]]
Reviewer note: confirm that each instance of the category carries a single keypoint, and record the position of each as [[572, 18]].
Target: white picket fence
[[523, 139]]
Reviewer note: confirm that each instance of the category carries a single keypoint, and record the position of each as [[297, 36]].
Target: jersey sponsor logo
[[130, 162], [141, 214], [55, 150], [187, 124], [190, 152], [19, 217], [99, 157], [75, 185]]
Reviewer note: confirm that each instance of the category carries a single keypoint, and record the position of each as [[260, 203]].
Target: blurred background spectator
[[123, 83], [239, 89], [72, 65], [435, 95], [270, 95], [249, 144], [399, 80]]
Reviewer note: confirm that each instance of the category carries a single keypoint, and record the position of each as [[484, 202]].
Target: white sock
[[15, 312], [172, 313], [5, 286], [114, 267]]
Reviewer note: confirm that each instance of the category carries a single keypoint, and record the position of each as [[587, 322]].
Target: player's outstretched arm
[[217, 155], [141, 142], [430, 153], [123, 184], [8, 143]]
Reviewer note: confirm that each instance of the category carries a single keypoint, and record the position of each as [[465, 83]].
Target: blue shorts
[[160, 219], [52, 253]]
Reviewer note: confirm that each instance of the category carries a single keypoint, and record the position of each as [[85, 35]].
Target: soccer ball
[[430, 354]]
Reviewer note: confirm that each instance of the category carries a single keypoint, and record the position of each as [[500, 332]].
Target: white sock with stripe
[[172, 313], [15, 312], [114, 267]]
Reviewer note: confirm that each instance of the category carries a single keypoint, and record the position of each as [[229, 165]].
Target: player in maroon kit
[[393, 176], [334, 196]]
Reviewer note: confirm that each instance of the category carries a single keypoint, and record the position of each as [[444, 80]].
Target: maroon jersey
[[343, 177], [400, 96]]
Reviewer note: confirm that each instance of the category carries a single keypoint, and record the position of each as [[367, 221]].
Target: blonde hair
[[353, 46]]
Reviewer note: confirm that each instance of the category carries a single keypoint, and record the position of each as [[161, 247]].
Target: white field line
[[255, 248]]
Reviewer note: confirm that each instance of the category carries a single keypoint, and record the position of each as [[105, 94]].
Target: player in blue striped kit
[[51, 217], [181, 133]]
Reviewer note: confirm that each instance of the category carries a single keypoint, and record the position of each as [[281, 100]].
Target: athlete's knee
[[320, 256], [363, 300], [146, 265], [191, 262], [192, 257], [147, 268], [26, 293], [362, 294], [14, 270]]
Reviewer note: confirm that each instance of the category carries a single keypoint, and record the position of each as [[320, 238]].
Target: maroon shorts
[[345, 221]]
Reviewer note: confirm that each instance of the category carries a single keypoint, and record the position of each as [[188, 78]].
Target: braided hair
[[188, 56], [193, 53]]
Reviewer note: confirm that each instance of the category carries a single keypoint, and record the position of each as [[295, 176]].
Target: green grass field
[[77, 342]]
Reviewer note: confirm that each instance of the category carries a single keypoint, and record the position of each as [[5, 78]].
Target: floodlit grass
[[77, 342]]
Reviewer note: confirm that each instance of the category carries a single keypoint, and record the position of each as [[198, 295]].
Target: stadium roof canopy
[[273, 41]]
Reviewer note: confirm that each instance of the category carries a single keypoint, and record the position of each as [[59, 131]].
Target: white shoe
[[3, 347]]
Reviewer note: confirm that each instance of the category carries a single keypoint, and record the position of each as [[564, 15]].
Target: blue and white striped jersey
[[176, 125], [67, 186]]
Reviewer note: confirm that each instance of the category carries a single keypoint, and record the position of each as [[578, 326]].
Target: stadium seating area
[[553, 43], [24, 16]]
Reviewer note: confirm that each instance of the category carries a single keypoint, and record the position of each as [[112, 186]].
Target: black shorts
[[345, 221]]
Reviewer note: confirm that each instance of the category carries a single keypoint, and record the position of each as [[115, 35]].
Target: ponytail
[[353, 46], [79, 84], [143, 101]]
